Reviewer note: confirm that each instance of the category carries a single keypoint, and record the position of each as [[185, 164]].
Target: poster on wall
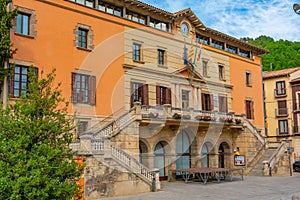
[[239, 160]]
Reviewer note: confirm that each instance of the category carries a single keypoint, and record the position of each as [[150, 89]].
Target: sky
[[242, 18]]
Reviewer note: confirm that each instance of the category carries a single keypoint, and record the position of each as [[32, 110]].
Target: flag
[[185, 56], [191, 53]]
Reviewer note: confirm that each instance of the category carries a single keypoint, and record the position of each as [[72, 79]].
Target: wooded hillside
[[283, 53]]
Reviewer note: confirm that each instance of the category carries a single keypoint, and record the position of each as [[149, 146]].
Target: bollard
[[154, 185]]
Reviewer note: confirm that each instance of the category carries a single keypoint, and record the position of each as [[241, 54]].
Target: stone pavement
[[252, 188]]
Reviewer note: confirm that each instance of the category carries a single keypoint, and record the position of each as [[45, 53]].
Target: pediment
[[188, 73]]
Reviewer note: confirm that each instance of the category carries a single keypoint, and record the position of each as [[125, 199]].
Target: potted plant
[[176, 116]]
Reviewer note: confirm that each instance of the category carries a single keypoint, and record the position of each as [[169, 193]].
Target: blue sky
[[242, 18]]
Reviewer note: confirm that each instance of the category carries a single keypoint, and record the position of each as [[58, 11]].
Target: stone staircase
[[257, 170]]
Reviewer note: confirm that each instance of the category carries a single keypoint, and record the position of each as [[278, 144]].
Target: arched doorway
[[183, 150], [223, 148], [205, 155], [143, 150], [159, 159]]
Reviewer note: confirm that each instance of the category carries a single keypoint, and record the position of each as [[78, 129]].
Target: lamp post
[[296, 8]]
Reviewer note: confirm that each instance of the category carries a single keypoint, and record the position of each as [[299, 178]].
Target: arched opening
[[159, 159], [183, 151], [206, 148], [143, 151], [223, 148]]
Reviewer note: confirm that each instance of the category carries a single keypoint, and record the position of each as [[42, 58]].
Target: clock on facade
[[184, 29]]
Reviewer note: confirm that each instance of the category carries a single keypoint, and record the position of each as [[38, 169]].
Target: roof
[[191, 17], [279, 73]]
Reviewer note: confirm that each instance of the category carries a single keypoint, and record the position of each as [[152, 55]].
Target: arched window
[[183, 151], [159, 158], [205, 156]]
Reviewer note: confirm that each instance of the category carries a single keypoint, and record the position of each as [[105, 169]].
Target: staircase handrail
[[278, 152], [254, 131], [107, 118], [114, 126], [132, 164], [128, 161]]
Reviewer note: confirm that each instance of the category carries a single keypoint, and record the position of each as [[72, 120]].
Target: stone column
[[178, 98], [173, 94], [199, 99]]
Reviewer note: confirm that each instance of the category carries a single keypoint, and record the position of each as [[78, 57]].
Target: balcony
[[281, 112], [175, 116], [278, 93]]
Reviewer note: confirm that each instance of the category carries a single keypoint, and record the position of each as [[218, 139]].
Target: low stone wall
[[106, 178]]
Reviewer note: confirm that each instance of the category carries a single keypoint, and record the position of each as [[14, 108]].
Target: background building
[[281, 102]]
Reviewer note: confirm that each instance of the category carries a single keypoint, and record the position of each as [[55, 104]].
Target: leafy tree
[[35, 132], [282, 53], [6, 17]]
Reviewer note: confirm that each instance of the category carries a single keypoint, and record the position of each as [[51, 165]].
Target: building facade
[[156, 88], [281, 101]]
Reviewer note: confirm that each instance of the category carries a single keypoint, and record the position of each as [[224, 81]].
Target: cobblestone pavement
[[258, 188]]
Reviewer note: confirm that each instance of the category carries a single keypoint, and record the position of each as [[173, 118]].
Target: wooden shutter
[[168, 96], [131, 94], [252, 109], [145, 100], [74, 98], [211, 101], [203, 101], [158, 97], [92, 90]]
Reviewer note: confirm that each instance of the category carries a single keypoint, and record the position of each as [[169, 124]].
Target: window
[[217, 44], [244, 53], [25, 23], [163, 95], [207, 102], [19, 81], [82, 126], [249, 109], [111, 9], [136, 17], [83, 37], [223, 104], [139, 93], [159, 24], [161, 56], [205, 68], [22, 25], [83, 89], [280, 88], [88, 3], [185, 99], [202, 39], [136, 54], [248, 79], [231, 49], [221, 73], [282, 108], [283, 127]]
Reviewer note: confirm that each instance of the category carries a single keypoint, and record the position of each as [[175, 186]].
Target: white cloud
[[243, 18]]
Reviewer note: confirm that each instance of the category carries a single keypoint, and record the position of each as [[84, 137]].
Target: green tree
[[282, 53], [35, 132], [6, 17]]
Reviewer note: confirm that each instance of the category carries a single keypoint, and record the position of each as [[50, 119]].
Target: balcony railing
[[167, 112], [281, 112], [280, 92]]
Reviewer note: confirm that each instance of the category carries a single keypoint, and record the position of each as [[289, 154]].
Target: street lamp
[[296, 8]]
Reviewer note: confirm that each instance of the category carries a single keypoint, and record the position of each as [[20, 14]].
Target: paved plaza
[[252, 187]]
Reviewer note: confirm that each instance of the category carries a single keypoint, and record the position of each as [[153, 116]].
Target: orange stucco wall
[[53, 47], [241, 92]]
